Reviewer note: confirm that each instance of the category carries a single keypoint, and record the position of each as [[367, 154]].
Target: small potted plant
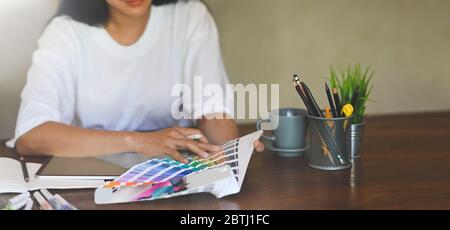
[[354, 85]]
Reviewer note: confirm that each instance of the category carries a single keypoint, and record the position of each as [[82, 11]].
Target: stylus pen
[[23, 164], [26, 176], [195, 137]]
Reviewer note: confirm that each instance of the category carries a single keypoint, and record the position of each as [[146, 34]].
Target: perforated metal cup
[[330, 143]]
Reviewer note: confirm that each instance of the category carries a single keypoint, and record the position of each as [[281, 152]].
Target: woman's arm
[[58, 139], [219, 131]]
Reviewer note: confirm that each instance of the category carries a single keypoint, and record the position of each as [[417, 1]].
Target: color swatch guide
[[163, 170], [221, 174]]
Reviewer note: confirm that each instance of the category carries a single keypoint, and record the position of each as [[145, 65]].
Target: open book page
[[12, 180], [11, 176]]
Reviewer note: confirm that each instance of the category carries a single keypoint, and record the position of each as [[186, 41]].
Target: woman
[[101, 79]]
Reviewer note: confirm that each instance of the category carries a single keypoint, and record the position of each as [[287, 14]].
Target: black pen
[[302, 95], [330, 100], [337, 101], [311, 99], [26, 177]]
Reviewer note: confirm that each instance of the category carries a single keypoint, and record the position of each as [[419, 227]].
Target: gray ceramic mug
[[289, 130]]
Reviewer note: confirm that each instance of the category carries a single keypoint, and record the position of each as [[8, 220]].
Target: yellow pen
[[347, 110]]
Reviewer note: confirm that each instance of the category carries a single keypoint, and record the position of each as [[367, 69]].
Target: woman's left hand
[[259, 146]]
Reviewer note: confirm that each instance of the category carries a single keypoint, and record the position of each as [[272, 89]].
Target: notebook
[[12, 180], [221, 174]]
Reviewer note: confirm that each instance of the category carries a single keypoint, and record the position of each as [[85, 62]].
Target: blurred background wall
[[407, 41], [266, 41], [21, 24]]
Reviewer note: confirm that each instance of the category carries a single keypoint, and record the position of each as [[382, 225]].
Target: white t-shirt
[[81, 76]]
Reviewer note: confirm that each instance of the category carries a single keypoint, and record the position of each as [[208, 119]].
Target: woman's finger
[[209, 147], [175, 133], [188, 131], [203, 139], [192, 146], [259, 146], [175, 155], [198, 137], [192, 133]]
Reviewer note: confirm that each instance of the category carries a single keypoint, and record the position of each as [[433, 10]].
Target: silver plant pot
[[357, 134]]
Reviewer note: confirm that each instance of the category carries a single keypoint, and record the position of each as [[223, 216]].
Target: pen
[[302, 95], [51, 199], [65, 204], [57, 201], [13, 202], [330, 101], [329, 115], [337, 101], [347, 110], [19, 204], [26, 177], [29, 205], [309, 95], [42, 202], [195, 137]]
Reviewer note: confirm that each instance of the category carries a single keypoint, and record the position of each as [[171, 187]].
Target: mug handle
[[258, 127]]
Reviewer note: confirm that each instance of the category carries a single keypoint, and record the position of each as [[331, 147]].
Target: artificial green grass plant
[[347, 82]]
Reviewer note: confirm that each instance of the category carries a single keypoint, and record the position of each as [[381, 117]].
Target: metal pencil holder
[[330, 143]]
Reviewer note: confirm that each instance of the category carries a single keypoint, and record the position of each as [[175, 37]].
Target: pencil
[[311, 99], [330, 100], [337, 101], [302, 95], [26, 177], [307, 98]]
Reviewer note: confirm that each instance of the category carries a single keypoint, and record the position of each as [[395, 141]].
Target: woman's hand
[[168, 141], [259, 146], [228, 130]]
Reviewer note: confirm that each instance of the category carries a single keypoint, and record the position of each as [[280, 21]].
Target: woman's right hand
[[168, 141]]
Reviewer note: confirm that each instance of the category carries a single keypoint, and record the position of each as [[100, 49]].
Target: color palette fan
[[162, 170], [221, 174]]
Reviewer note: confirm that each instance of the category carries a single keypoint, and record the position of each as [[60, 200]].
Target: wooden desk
[[405, 165]]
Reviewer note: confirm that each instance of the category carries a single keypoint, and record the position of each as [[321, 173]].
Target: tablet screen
[[79, 168]]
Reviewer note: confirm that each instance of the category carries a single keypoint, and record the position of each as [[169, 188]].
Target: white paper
[[12, 181]]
